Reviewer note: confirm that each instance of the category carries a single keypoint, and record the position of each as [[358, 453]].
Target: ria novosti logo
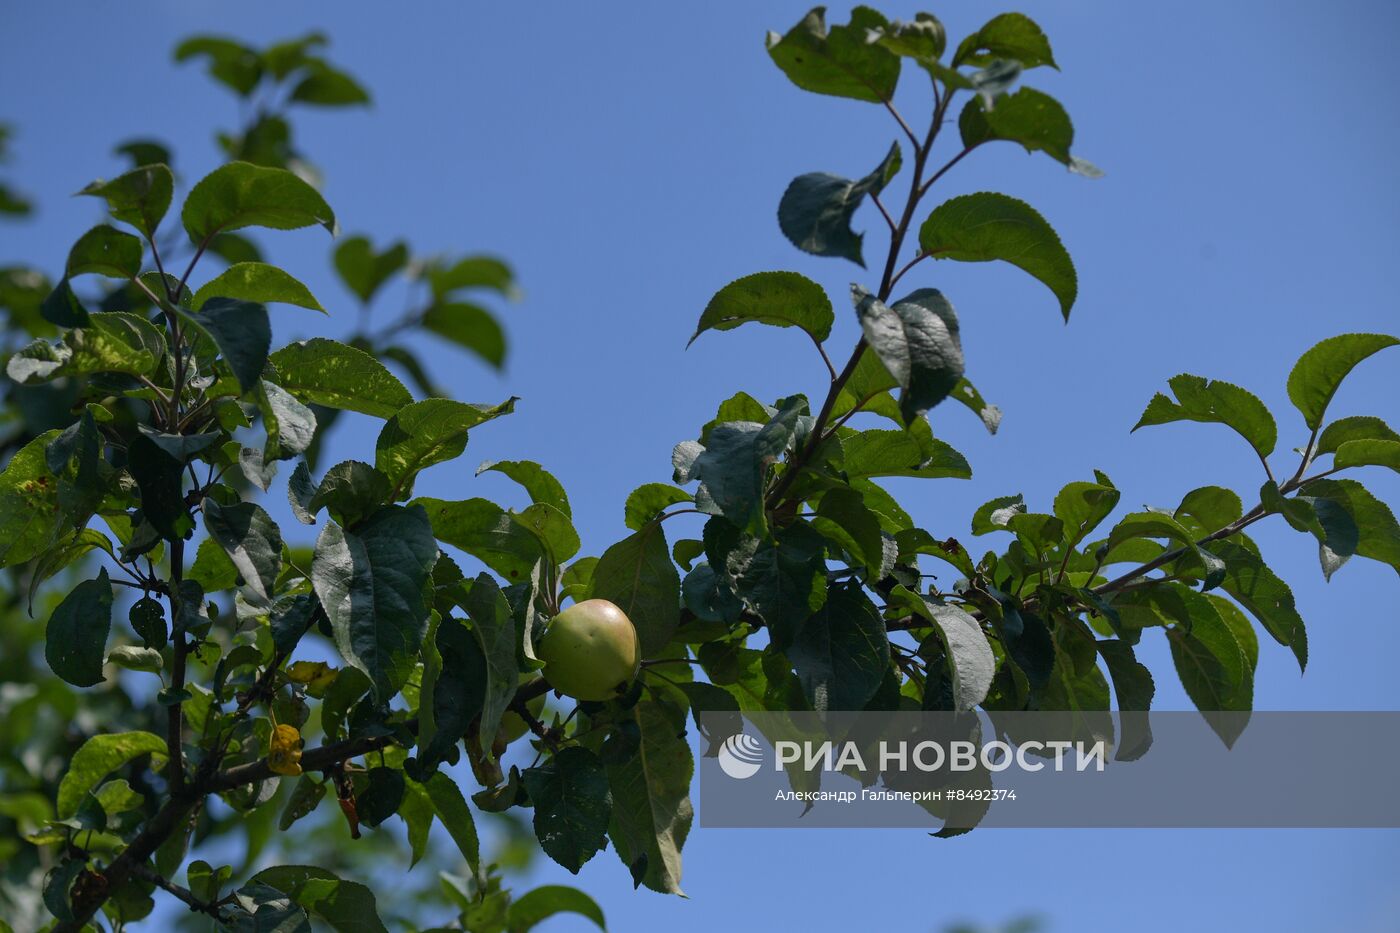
[[740, 756]]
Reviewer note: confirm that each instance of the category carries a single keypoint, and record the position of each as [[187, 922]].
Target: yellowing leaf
[[284, 756]]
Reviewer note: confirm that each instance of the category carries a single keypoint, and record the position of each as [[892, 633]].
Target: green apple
[[590, 651]]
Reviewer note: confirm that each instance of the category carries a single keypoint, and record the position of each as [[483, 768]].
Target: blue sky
[[628, 161]]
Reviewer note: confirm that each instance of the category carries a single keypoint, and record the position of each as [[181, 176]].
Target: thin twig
[[913, 140], [875, 197], [918, 258], [825, 359], [942, 171], [183, 894]]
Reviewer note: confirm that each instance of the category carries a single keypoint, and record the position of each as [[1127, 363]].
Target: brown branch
[[917, 188], [161, 827], [174, 722], [317, 759], [184, 894]]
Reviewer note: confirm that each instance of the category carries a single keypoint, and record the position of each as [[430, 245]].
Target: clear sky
[[628, 158]]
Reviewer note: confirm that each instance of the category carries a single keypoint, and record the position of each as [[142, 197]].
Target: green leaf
[[159, 477], [472, 272], [1082, 507], [965, 647], [782, 299], [290, 425], [1213, 507], [230, 63], [901, 453], [995, 514], [363, 270], [543, 902], [469, 326], [1298, 512], [1213, 401], [1251, 583], [841, 63], [252, 542], [1009, 35], [493, 626], [205, 881], [241, 331], [98, 757], [112, 342], [13, 203], [182, 447], [985, 226], [259, 282], [105, 251], [1378, 535], [649, 500], [1368, 453], [638, 576], [1134, 688], [325, 86], [260, 907], [1214, 669], [572, 805], [451, 808], [1318, 372], [816, 209], [301, 489], [428, 432], [76, 637], [283, 58], [417, 813], [350, 491], [58, 883], [841, 653], [324, 372], [922, 39], [306, 794], [147, 618], [552, 527], [917, 341], [1354, 428], [536, 480], [239, 195], [60, 307], [842, 516], [381, 796], [780, 578], [867, 390], [212, 569], [454, 691], [652, 812], [1029, 117], [370, 582], [1159, 525], [965, 393], [708, 597], [62, 556], [487, 532], [345, 906], [733, 463], [29, 504], [140, 197]]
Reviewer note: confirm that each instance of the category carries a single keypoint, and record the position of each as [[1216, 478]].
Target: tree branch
[[174, 721], [183, 894], [917, 188], [161, 827]]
